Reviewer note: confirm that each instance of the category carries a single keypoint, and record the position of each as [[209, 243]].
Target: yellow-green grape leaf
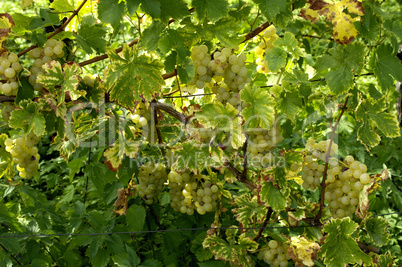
[[231, 250], [59, 80], [111, 11], [387, 67], [376, 228], [191, 157], [248, 210], [6, 23], [276, 59], [223, 118], [340, 248], [371, 113], [212, 9], [273, 197], [28, 118], [133, 76], [62, 6], [260, 108], [271, 8], [90, 35], [290, 102], [115, 154], [26, 3], [303, 251], [343, 29]]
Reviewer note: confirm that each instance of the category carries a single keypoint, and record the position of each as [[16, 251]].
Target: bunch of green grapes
[[312, 172], [203, 135], [141, 115], [24, 154], [319, 150], [264, 46], [345, 180], [6, 110], [260, 144], [52, 50], [151, 180], [9, 68], [275, 254], [191, 192], [201, 60]]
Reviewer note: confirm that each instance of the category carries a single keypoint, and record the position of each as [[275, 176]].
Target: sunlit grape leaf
[[60, 80], [62, 6], [303, 251], [152, 34], [376, 228], [6, 23], [151, 7], [136, 218], [131, 76], [90, 36], [115, 154], [231, 250], [28, 118], [290, 102], [371, 113], [276, 59], [343, 62], [387, 67], [45, 18], [190, 157], [213, 10], [343, 29], [260, 107], [225, 30], [248, 210], [273, 197], [271, 8], [111, 11], [340, 248]]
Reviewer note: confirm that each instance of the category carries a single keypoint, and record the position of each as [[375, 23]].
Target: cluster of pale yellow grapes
[[264, 46], [6, 110], [189, 193], [52, 50], [24, 154], [151, 179], [260, 144], [140, 117], [9, 68], [275, 254], [227, 69], [345, 180]]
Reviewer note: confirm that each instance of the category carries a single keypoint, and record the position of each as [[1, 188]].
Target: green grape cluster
[[6, 110], [52, 50], [275, 254], [344, 182], [201, 59], [24, 154], [260, 144], [264, 46], [9, 68], [189, 192], [152, 177], [140, 116], [203, 135], [320, 149]]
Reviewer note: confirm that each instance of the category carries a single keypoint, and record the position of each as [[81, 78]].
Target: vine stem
[[324, 178], [86, 183], [60, 29], [264, 224]]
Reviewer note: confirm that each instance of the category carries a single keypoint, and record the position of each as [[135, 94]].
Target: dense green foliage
[[200, 133]]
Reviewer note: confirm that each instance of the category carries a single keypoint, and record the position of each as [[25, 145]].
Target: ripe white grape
[[152, 177], [274, 254], [9, 73], [261, 143]]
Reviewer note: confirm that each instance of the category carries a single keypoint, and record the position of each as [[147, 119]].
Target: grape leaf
[[151, 7], [90, 36], [271, 8], [343, 29], [290, 102], [248, 210], [25, 91], [6, 24], [132, 6], [62, 6], [376, 228], [131, 76], [46, 18], [152, 34], [111, 11], [341, 61], [260, 108], [273, 197], [173, 9], [371, 113], [303, 251], [276, 59], [136, 218], [190, 157], [339, 247], [213, 10], [115, 154], [386, 66], [28, 118], [60, 80], [231, 250]]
